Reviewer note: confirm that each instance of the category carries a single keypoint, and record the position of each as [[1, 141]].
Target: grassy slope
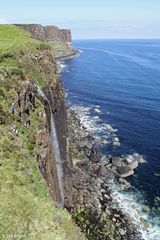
[[14, 39], [26, 210]]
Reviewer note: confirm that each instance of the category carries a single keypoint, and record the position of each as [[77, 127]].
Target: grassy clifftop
[[15, 39], [26, 209]]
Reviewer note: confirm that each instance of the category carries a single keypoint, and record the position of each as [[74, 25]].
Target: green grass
[[16, 46], [15, 39]]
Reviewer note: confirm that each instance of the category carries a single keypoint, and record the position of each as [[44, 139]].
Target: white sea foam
[[80, 51], [135, 156], [62, 66], [97, 110], [132, 205], [103, 133]]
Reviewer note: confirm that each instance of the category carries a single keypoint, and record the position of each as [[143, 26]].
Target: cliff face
[[37, 31], [59, 40], [44, 62], [33, 134], [66, 33], [47, 33]]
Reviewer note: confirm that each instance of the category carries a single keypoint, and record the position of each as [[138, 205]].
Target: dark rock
[[123, 169], [103, 171], [95, 155], [127, 174], [83, 164], [124, 183]]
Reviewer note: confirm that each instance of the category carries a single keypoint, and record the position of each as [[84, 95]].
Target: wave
[[133, 205], [80, 51], [104, 133], [62, 66]]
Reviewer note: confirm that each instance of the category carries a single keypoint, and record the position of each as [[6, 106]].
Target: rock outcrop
[[37, 31], [93, 175], [48, 33], [66, 33]]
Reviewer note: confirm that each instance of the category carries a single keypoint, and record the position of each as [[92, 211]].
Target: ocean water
[[114, 85]]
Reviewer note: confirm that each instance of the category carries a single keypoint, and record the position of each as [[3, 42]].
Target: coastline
[[98, 196], [71, 55], [92, 192], [108, 190], [131, 212]]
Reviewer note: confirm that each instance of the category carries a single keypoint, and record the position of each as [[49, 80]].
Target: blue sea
[[114, 85]]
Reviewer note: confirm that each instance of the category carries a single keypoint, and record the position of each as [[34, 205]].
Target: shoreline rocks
[[95, 212]]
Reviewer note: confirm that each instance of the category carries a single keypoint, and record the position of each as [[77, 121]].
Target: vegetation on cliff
[[26, 208]]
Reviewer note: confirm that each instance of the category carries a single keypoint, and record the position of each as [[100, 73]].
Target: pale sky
[[88, 18]]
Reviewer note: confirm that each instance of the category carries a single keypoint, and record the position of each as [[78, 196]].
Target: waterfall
[[40, 93], [55, 148]]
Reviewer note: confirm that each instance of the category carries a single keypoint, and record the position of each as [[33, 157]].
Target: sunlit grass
[[14, 39]]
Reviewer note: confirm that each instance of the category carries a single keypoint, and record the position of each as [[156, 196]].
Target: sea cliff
[[60, 40], [48, 160], [32, 113]]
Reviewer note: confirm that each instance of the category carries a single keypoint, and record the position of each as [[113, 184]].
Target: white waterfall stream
[[56, 151], [57, 155]]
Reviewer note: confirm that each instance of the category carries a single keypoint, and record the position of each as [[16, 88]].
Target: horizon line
[[116, 38]]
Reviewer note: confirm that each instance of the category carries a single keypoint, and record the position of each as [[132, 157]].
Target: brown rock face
[[52, 33], [47, 33], [50, 103], [66, 33], [37, 31]]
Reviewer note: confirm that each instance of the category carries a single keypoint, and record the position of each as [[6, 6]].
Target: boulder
[[124, 171], [127, 174], [106, 172], [95, 155], [102, 171], [124, 183], [116, 161], [133, 165], [84, 164]]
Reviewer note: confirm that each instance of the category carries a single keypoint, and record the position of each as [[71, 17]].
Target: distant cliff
[[47, 33], [60, 40]]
